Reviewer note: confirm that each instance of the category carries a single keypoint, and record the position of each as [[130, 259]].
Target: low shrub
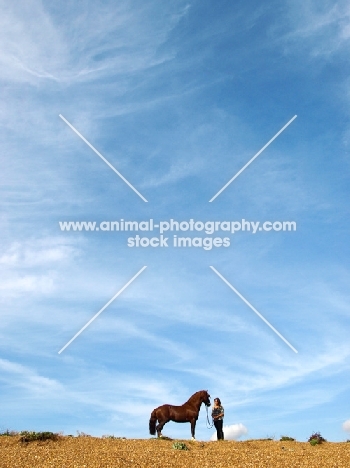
[[82, 434], [316, 438], [31, 436], [179, 446], [161, 438], [286, 439], [8, 433]]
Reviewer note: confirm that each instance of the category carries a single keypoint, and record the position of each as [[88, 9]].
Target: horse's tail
[[152, 423]]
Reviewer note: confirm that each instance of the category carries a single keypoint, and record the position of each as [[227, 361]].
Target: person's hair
[[218, 400]]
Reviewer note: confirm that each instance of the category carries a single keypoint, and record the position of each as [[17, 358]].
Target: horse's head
[[206, 398]]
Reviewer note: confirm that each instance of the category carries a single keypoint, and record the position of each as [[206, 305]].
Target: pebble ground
[[91, 452]]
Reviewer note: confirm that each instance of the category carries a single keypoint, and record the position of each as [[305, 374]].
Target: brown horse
[[188, 412]]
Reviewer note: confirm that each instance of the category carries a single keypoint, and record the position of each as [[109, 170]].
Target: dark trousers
[[218, 426]]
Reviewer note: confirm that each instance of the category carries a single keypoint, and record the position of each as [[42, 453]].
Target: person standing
[[218, 418]]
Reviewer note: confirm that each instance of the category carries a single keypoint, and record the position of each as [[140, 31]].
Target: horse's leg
[[160, 427], [193, 428]]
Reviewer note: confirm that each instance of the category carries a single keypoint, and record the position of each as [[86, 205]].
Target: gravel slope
[[91, 452]]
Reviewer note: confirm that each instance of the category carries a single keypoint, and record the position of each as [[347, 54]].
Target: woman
[[218, 418]]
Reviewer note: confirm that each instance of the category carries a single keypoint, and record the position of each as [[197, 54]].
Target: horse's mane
[[195, 395]]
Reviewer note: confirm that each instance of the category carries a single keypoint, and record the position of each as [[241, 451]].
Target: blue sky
[[178, 96]]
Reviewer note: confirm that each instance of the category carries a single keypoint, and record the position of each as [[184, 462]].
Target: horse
[[188, 412]]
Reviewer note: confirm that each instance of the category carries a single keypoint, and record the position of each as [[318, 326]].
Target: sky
[[178, 97]]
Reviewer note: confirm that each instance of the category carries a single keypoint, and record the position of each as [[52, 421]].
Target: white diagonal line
[[103, 158], [254, 157], [101, 310], [253, 308]]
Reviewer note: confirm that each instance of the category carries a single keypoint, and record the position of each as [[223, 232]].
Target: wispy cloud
[[77, 45], [99, 391], [271, 372], [177, 172], [31, 266], [39, 252], [24, 377], [19, 285], [326, 25]]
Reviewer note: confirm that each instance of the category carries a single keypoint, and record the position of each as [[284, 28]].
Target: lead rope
[[209, 426]]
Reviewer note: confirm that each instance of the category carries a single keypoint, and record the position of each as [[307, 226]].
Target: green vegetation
[[179, 446], [286, 439], [8, 433], [161, 438], [31, 436], [82, 434], [316, 438], [264, 438]]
